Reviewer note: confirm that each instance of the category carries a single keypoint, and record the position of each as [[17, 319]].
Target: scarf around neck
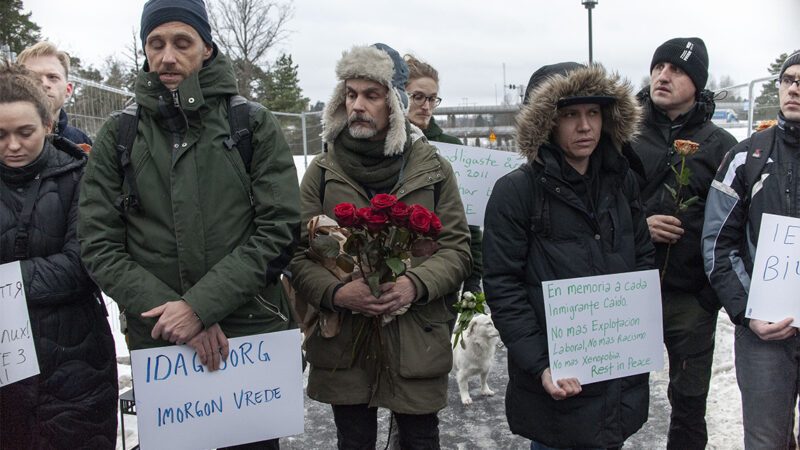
[[364, 161]]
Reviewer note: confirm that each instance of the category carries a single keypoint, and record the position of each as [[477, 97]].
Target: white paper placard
[[775, 283], [17, 352], [256, 395], [477, 170], [604, 327]]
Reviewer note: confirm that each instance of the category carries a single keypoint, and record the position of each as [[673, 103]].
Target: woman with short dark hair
[[72, 402]]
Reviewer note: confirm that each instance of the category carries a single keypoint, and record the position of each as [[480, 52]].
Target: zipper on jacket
[[270, 307], [790, 206]]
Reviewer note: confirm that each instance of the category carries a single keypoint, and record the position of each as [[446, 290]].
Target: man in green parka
[[199, 259], [371, 149]]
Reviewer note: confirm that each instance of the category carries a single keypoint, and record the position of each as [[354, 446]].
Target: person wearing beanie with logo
[[572, 210], [759, 175], [677, 106], [184, 230], [371, 148], [423, 93]]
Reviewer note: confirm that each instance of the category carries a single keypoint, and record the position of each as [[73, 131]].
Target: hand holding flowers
[[684, 148]]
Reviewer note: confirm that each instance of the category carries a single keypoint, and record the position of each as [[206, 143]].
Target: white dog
[[475, 355]]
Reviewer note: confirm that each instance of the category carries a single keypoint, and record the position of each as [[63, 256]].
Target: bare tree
[[246, 30]]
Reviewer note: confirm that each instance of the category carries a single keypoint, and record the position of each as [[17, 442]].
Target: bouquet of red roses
[[383, 237]]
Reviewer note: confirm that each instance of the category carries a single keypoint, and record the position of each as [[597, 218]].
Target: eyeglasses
[[419, 99], [786, 82]]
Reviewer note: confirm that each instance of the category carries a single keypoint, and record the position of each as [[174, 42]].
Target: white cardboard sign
[[17, 352], [775, 283], [604, 327], [477, 169], [256, 395]]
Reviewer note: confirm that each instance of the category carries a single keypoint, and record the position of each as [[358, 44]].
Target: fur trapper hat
[[379, 63], [537, 119]]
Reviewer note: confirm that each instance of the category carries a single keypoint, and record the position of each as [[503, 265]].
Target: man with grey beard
[[371, 148]]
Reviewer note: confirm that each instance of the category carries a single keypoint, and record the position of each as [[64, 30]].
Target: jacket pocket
[[335, 352], [425, 341]]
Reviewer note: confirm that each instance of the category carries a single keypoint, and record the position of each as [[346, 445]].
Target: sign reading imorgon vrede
[[604, 327], [17, 352], [257, 394]]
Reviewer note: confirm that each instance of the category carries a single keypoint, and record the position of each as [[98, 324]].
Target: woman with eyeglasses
[[72, 402], [423, 94]]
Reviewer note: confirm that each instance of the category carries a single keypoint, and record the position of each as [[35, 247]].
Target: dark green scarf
[[364, 161]]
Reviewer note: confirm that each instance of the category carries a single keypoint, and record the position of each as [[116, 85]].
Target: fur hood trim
[[537, 119], [372, 64]]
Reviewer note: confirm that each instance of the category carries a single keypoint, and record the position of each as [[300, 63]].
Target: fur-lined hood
[[536, 120], [374, 64]]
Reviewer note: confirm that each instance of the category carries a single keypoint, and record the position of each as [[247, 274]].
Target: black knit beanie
[[687, 53], [790, 61], [190, 12]]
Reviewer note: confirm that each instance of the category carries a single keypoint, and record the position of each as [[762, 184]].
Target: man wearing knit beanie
[[756, 179], [393, 350], [677, 106], [189, 207]]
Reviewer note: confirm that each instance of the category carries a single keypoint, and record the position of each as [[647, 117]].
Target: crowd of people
[[186, 211]]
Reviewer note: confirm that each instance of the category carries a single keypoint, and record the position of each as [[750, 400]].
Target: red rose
[[345, 214], [420, 219], [374, 219], [383, 201], [399, 213], [436, 226]]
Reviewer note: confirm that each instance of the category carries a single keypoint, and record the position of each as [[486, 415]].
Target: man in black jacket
[[52, 66], [756, 178], [677, 107]]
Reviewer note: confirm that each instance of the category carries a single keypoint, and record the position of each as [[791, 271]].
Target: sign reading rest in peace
[[17, 352], [256, 395], [776, 271], [604, 327]]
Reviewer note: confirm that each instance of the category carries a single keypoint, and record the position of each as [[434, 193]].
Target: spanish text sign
[[604, 327], [256, 395], [775, 282], [17, 353], [477, 169]]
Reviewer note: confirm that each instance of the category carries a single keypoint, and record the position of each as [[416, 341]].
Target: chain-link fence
[[91, 103], [739, 109]]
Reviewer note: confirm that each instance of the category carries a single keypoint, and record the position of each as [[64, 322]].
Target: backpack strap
[[241, 137], [126, 134]]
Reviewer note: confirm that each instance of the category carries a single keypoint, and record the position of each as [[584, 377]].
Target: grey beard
[[361, 132]]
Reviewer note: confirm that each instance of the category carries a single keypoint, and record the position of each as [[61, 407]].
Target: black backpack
[[239, 109]]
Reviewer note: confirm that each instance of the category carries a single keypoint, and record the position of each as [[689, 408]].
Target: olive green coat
[[418, 356], [208, 232]]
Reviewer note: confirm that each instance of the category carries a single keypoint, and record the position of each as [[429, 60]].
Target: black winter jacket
[[654, 146], [72, 402], [538, 227], [735, 205], [65, 130]]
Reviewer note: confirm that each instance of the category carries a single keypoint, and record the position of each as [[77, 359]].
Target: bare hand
[[664, 229], [177, 322], [567, 387], [356, 296], [402, 293], [211, 346], [769, 331]]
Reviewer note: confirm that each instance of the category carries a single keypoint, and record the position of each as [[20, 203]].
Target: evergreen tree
[[767, 105], [16, 28], [283, 90]]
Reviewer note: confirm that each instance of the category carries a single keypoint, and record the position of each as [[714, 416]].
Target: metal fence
[[739, 108]]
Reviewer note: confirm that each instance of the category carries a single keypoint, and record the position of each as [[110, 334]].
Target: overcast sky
[[468, 41]]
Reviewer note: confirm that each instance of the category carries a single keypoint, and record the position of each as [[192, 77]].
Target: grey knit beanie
[[790, 61]]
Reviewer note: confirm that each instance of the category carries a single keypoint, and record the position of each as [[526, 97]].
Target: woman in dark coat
[[571, 211], [72, 402]]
